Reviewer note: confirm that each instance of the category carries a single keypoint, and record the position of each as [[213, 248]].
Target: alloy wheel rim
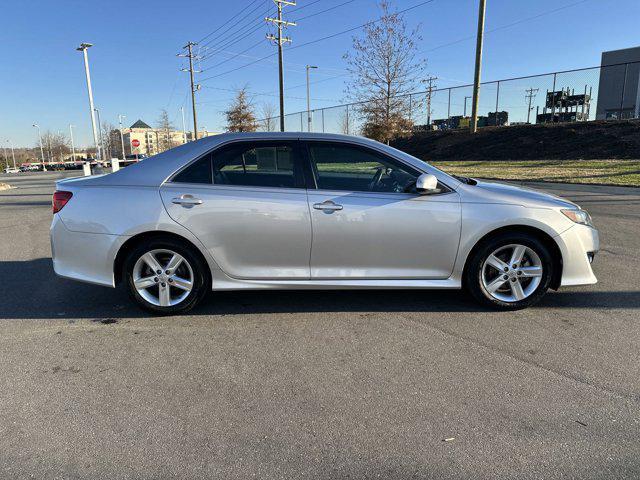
[[163, 277], [512, 273]]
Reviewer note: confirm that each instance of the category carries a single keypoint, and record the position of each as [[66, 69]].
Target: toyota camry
[[312, 211]]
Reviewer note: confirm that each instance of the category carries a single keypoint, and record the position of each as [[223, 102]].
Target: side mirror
[[426, 183]]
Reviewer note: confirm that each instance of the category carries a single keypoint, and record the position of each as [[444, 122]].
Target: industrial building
[[618, 92]]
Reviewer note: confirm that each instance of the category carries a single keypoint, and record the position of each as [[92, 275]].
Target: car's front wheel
[[509, 271], [165, 276]]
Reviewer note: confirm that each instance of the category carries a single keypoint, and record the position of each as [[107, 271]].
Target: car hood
[[492, 192]]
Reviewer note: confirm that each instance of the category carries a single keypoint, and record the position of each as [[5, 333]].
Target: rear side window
[[258, 164], [197, 172]]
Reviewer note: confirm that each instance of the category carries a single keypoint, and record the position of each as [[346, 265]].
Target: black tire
[[201, 284], [473, 281]]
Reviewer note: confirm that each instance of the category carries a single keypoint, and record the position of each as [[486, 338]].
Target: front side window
[[257, 165], [356, 169]]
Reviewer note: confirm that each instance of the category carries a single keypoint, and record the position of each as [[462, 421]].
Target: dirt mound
[[581, 140]]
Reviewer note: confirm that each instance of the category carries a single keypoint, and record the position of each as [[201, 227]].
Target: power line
[[317, 40], [399, 12], [226, 23], [225, 38], [325, 10], [508, 25]]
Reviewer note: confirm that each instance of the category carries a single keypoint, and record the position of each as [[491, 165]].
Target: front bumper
[[578, 245], [87, 257]]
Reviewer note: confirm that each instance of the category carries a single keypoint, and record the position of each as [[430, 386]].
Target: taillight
[[60, 199]]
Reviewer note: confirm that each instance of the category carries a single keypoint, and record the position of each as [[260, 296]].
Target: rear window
[[197, 172]]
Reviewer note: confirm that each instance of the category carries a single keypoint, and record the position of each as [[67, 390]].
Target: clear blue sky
[[135, 69]]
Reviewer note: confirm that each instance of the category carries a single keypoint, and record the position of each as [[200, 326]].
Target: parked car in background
[[11, 170], [312, 211]]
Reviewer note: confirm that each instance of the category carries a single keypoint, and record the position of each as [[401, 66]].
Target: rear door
[[368, 221], [247, 204]]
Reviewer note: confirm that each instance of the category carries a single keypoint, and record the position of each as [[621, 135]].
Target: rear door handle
[[186, 200], [327, 206]]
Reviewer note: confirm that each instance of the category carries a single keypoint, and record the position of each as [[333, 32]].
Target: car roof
[[154, 170]]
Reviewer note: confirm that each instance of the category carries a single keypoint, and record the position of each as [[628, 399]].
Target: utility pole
[[184, 127], [83, 48], [309, 127], [44, 168], [189, 47], [476, 76], [531, 94], [280, 40], [73, 148], [120, 117], [432, 86]]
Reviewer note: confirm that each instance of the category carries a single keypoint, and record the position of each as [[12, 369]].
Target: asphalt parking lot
[[399, 384]]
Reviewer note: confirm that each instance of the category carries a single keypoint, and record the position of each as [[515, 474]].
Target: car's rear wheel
[[509, 271], [165, 277]]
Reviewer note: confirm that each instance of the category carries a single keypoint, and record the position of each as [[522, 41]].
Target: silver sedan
[[311, 211]]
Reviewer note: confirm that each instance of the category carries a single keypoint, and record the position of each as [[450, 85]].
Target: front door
[[369, 223], [247, 204]]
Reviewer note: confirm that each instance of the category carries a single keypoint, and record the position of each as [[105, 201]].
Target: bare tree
[[240, 115], [55, 146], [268, 112], [109, 144], [385, 69], [165, 138]]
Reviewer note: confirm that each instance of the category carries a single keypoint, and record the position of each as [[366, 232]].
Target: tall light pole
[[120, 117], [309, 128], [44, 168], [100, 145], [83, 48], [73, 148], [184, 127], [476, 76]]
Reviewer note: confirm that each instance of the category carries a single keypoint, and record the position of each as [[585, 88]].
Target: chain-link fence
[[595, 93]]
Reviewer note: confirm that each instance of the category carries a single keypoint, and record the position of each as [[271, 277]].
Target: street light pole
[[120, 117], [309, 127], [44, 168], [83, 48], [73, 148]]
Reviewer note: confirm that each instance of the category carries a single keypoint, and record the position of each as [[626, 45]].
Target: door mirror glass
[[426, 184]]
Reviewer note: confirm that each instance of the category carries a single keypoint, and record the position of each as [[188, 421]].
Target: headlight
[[578, 216]]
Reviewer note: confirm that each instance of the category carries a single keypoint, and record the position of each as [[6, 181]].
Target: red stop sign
[[135, 143]]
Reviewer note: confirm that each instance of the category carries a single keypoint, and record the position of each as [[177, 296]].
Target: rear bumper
[[578, 245], [87, 257]]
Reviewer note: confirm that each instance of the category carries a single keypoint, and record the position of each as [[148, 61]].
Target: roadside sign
[[135, 143]]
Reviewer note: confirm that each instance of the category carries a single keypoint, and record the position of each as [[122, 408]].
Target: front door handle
[[186, 201], [327, 206]]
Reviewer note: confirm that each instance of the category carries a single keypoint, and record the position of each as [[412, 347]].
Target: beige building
[[149, 140]]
